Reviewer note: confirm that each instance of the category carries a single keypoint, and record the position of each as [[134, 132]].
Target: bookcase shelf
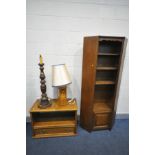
[[109, 54], [107, 61], [104, 82], [102, 107], [106, 68], [100, 84]]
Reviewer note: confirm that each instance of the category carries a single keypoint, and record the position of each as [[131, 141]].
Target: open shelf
[[49, 124], [109, 54], [107, 61], [49, 117], [104, 93], [102, 107], [106, 75], [105, 82], [110, 47], [106, 68]]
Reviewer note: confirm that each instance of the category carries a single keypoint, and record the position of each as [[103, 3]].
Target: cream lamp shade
[[60, 75]]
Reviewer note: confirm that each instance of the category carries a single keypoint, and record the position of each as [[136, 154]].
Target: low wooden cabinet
[[54, 121], [102, 65]]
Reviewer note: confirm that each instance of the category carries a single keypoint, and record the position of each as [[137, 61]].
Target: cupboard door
[[88, 79], [102, 119]]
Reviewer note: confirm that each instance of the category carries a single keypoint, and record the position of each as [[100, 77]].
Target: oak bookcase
[[102, 66]]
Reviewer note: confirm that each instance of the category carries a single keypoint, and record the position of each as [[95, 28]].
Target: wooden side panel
[[90, 51]]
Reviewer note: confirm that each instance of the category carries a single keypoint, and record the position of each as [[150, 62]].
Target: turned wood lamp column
[[44, 102], [60, 79]]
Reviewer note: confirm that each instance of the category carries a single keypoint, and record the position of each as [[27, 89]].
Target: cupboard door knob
[[92, 65]]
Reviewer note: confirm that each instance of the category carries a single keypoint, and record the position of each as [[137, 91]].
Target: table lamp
[[60, 79]]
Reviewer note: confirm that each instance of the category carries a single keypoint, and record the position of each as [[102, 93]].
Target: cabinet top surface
[[72, 106]]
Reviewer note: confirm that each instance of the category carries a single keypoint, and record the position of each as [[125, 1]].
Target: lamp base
[[44, 104], [62, 97], [61, 103]]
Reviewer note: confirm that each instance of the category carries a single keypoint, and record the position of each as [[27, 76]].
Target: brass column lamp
[[60, 79]]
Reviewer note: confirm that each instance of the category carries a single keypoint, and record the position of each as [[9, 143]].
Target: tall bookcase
[[102, 66]]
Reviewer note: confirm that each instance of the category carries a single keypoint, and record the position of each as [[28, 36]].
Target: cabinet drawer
[[102, 119], [54, 130]]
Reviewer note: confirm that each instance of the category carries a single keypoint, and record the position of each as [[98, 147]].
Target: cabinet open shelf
[[49, 124], [102, 107], [105, 82]]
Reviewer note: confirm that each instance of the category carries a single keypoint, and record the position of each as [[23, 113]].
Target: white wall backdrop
[[55, 29]]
